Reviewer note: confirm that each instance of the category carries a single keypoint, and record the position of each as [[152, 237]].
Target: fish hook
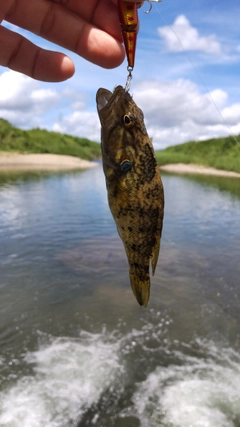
[[150, 5]]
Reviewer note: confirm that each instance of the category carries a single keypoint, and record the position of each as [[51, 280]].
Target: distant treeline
[[43, 141], [219, 153]]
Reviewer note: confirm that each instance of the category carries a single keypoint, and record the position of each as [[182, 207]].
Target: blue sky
[[186, 78]]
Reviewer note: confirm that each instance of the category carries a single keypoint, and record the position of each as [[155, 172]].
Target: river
[[76, 348]]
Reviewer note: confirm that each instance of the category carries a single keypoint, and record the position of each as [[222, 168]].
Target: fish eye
[[126, 165], [127, 120]]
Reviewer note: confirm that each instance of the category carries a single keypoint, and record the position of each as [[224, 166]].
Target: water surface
[[76, 349]]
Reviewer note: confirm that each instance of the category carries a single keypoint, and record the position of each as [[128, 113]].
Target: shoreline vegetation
[[39, 149], [41, 141], [219, 153]]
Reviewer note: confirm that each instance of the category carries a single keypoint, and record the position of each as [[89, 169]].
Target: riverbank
[[44, 162], [218, 153], [58, 162], [181, 168]]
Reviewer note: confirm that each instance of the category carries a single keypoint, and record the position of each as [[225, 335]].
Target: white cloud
[[175, 102], [181, 35], [27, 104], [76, 98], [22, 100], [177, 112], [84, 124], [174, 112], [232, 114], [43, 96], [78, 106]]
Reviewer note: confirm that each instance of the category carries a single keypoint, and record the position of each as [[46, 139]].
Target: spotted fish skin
[[134, 186]]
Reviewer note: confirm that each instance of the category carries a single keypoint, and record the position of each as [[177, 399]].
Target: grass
[[219, 153], [37, 140]]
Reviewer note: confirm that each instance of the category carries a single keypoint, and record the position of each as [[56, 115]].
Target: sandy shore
[[183, 169], [44, 162], [48, 162]]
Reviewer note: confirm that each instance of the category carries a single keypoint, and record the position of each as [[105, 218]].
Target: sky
[[186, 78]]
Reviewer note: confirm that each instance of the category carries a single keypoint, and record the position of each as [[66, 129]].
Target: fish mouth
[[103, 97], [106, 98]]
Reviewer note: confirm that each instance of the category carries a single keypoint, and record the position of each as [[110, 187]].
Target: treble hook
[[150, 5]]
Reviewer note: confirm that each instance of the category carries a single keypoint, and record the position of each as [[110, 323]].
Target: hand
[[89, 28]]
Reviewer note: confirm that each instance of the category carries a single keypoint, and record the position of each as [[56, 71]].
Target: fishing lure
[[129, 23], [128, 17]]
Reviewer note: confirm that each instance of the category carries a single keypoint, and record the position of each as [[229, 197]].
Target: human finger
[[132, 1], [101, 13], [19, 54], [58, 25]]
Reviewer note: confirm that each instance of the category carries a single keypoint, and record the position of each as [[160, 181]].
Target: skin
[[89, 28]]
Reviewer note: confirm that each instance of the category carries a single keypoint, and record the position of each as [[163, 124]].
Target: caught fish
[[134, 186]]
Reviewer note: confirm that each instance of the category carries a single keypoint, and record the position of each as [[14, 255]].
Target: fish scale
[[135, 190]]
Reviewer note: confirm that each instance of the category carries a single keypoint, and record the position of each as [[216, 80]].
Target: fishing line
[[200, 79]]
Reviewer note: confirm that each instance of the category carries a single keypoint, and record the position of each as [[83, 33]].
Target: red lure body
[[128, 16]]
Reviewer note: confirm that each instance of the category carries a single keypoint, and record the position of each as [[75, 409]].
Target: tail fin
[[140, 286]]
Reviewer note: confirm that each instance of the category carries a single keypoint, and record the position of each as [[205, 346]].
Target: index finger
[[59, 25]]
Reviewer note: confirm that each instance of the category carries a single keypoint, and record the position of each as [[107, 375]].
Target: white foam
[[69, 376], [200, 387], [193, 393]]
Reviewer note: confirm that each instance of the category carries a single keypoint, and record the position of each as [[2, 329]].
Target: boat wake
[[108, 379]]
